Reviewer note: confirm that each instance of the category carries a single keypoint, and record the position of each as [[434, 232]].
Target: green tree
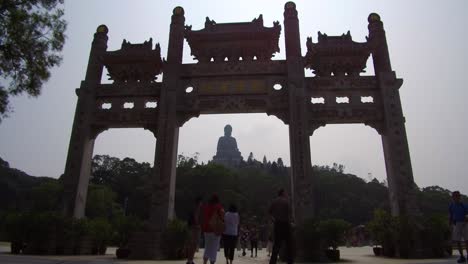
[[46, 196], [31, 37], [100, 202]]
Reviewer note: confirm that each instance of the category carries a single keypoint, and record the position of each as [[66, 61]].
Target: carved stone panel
[[230, 87], [341, 83], [345, 114], [126, 118], [277, 67], [136, 89]]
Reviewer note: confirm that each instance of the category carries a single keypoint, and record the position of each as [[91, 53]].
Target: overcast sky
[[427, 44]]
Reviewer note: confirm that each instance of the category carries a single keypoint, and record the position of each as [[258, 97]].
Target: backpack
[[217, 223]]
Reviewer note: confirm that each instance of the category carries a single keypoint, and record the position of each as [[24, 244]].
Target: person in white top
[[231, 228]]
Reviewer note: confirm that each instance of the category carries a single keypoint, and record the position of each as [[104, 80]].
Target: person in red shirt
[[213, 214]]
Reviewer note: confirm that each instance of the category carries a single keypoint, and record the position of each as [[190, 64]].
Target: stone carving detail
[[379, 126], [134, 62], [234, 68], [232, 104], [314, 125], [232, 41], [345, 114], [132, 118], [339, 55], [227, 152], [125, 89], [341, 83]]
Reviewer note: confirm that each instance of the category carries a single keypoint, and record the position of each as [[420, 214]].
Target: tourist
[[280, 211], [269, 245], [458, 220], [253, 237], [194, 221], [213, 227], [270, 238], [244, 238], [231, 222]]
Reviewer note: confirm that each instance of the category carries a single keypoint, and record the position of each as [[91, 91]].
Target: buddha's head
[[227, 130]]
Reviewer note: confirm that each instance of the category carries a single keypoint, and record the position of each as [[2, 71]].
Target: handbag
[[217, 223]]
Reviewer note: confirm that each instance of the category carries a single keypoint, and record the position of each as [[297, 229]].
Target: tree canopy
[[120, 186], [32, 34]]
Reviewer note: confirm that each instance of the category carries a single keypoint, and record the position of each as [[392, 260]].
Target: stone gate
[[235, 73]]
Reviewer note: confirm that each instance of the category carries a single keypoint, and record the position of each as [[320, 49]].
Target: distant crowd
[[220, 226]]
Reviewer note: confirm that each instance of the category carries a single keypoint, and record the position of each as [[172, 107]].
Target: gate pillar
[[147, 245], [163, 179], [80, 150], [401, 185], [301, 168]]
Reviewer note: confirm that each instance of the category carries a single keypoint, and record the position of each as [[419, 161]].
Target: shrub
[[332, 232], [308, 236], [174, 239], [414, 236], [381, 230], [53, 233], [101, 233], [14, 227], [435, 236], [123, 227]]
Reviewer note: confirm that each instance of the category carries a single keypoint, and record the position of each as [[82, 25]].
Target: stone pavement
[[349, 255]]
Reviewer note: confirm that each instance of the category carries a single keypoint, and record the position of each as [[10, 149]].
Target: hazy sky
[[427, 43]]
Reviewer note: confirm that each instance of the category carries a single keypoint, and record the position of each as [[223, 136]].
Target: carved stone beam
[[314, 125], [95, 130], [379, 126]]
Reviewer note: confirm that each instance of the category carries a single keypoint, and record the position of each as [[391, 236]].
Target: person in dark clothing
[[253, 233], [231, 231], [458, 220], [280, 211], [194, 222], [244, 238]]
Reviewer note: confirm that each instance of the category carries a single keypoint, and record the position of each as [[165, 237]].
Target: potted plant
[[332, 233], [174, 239], [124, 226], [101, 232], [381, 228], [15, 232]]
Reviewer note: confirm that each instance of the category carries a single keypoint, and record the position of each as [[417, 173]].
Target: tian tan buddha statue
[[227, 152]]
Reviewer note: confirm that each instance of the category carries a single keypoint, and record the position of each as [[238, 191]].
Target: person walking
[[458, 220], [253, 233], [280, 211], [194, 221], [244, 238], [212, 226], [231, 231]]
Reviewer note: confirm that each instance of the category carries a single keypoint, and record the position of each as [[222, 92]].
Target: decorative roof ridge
[[324, 39], [127, 46], [212, 26]]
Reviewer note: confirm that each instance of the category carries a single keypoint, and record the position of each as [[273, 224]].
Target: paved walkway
[[348, 255]]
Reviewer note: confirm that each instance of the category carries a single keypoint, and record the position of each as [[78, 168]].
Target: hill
[[16, 187], [121, 186]]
